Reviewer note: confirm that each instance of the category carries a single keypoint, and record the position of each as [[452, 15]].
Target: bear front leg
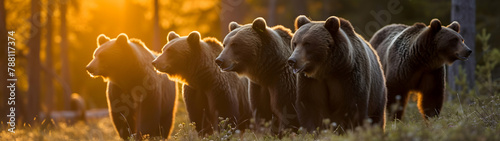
[[120, 112], [283, 98], [169, 102], [432, 93], [148, 117], [222, 104], [311, 104], [197, 107], [397, 99], [260, 104]]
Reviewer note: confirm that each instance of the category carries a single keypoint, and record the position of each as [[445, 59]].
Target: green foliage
[[491, 58], [485, 84], [461, 82]]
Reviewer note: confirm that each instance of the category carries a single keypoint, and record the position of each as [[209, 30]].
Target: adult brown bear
[[413, 58], [260, 53], [339, 75], [140, 100], [208, 92]]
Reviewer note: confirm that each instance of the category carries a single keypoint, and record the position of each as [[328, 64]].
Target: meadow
[[462, 118]]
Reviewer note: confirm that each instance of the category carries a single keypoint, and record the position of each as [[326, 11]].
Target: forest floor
[[472, 118]]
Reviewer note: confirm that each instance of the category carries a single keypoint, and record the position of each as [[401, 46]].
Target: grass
[[468, 118]]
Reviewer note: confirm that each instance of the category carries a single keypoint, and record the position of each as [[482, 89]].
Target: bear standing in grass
[[260, 53], [208, 92], [140, 100], [413, 58], [339, 75]]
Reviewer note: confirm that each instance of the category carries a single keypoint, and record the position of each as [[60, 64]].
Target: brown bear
[[78, 105], [208, 92], [339, 75], [260, 53], [140, 100], [413, 58]]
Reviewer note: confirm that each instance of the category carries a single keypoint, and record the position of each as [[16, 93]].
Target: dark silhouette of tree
[[65, 72], [300, 7], [231, 10], [271, 12], [464, 11], [33, 95], [3, 72], [156, 28], [48, 81]]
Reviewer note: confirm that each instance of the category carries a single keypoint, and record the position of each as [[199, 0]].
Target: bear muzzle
[[224, 65], [292, 62], [463, 55], [160, 67], [91, 71]]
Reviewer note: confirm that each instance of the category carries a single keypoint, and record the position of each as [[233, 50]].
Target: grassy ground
[[461, 119]]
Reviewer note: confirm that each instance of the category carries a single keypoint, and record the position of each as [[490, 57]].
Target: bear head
[[113, 58], [315, 43], [242, 46], [179, 54], [446, 42]]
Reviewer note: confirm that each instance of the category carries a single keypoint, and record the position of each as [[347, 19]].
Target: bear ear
[[122, 38], [233, 25], [435, 25], [455, 26], [172, 35], [332, 24], [301, 20], [101, 39], [259, 25], [194, 39]]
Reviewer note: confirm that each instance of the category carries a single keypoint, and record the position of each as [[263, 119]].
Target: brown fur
[[413, 58], [208, 92], [339, 75], [259, 53], [140, 100], [78, 105]]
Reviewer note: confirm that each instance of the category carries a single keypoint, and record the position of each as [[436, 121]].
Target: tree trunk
[[156, 27], [299, 7], [3, 71], [325, 12], [464, 12], [65, 73], [271, 11], [33, 105], [49, 83], [232, 10]]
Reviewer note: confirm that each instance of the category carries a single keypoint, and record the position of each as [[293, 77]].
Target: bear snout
[[89, 69], [160, 67], [291, 62], [92, 71], [469, 52], [464, 55], [225, 65], [219, 62], [154, 64]]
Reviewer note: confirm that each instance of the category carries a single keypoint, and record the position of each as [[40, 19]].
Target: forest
[[55, 40]]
